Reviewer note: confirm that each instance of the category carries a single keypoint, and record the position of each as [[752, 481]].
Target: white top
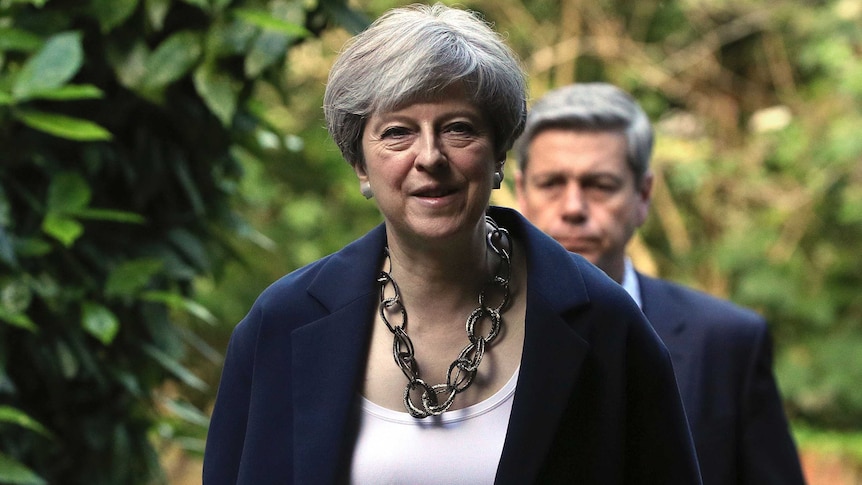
[[631, 284], [460, 446]]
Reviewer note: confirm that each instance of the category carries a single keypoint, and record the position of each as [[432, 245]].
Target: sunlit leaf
[[157, 10], [12, 39], [62, 228], [175, 368], [5, 98], [55, 64], [19, 320], [8, 414], [13, 472], [187, 412], [179, 302], [267, 22], [69, 92], [64, 126], [99, 321], [131, 277]]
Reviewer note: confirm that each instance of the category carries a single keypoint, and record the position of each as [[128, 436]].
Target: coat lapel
[[668, 319], [328, 359], [552, 357]]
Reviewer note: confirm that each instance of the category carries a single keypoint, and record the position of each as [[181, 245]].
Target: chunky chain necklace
[[463, 368]]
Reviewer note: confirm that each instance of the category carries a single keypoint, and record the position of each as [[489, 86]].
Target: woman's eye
[[460, 127], [393, 132]]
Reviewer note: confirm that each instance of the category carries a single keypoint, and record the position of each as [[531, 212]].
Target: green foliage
[[120, 123]]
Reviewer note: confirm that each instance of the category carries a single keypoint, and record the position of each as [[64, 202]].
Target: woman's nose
[[430, 155]]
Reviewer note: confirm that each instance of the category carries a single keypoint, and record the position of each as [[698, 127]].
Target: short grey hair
[[413, 53], [592, 107]]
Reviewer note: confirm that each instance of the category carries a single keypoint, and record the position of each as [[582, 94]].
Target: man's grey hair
[[592, 107], [414, 53]]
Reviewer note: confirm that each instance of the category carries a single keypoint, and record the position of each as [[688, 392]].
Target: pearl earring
[[365, 190], [498, 179]]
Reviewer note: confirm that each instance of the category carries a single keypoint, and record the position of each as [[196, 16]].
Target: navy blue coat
[[596, 400], [722, 355]]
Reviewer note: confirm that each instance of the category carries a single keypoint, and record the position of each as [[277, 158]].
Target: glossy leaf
[[13, 472], [218, 92], [12, 39], [173, 59], [99, 321], [266, 50], [267, 22], [64, 126], [52, 66], [62, 228], [175, 368]]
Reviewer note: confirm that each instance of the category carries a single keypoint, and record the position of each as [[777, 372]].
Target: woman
[[377, 365]]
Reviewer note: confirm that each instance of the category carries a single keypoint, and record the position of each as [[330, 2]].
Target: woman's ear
[[364, 184]]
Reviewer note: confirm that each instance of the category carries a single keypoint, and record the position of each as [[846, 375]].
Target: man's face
[[579, 189]]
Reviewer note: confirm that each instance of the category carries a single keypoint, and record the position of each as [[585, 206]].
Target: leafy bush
[[122, 123]]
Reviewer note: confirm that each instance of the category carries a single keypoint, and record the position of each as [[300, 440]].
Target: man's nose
[[575, 208]]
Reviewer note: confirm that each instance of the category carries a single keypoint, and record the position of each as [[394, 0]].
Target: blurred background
[[163, 161]]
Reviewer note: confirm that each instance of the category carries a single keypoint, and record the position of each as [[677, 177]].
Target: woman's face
[[430, 165]]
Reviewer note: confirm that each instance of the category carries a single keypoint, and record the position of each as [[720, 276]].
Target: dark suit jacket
[[596, 400], [722, 355]]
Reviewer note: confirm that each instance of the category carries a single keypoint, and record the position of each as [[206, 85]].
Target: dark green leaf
[[108, 215], [112, 13], [55, 64], [68, 192], [130, 277], [32, 247], [64, 126], [13, 472], [99, 321]]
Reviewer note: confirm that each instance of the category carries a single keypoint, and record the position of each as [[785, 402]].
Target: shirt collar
[[630, 282]]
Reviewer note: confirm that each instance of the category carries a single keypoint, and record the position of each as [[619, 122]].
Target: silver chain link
[[463, 370]]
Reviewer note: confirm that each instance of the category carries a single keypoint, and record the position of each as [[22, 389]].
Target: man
[[584, 179]]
